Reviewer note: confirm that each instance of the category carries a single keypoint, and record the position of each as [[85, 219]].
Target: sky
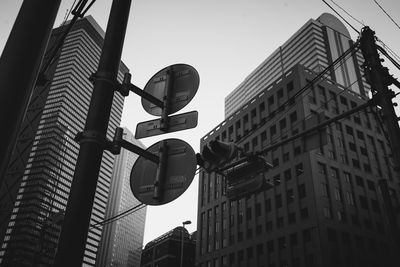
[[224, 40]]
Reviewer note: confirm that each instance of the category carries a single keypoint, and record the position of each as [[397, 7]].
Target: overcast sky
[[224, 40]]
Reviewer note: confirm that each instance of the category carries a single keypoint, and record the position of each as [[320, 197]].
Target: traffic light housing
[[216, 154], [247, 178]]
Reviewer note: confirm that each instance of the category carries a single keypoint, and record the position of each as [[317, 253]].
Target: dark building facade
[[38, 179], [165, 251], [330, 206]]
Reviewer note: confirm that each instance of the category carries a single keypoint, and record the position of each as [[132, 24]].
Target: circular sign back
[[179, 173], [181, 79]]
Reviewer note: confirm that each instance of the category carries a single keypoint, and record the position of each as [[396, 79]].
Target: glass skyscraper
[[39, 176], [122, 240]]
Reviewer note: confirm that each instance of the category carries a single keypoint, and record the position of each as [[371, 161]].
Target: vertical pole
[[380, 79], [183, 228], [77, 216], [19, 68]]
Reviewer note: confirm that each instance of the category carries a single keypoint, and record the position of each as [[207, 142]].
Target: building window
[[363, 202], [375, 206], [306, 235], [282, 243], [337, 194], [302, 190], [282, 124], [321, 168], [279, 222], [272, 130], [268, 226], [304, 213], [289, 196], [359, 181], [349, 198], [293, 117], [293, 239], [268, 205], [299, 169], [332, 235], [278, 201], [347, 177], [292, 218], [327, 213], [287, 174], [349, 130], [270, 246], [249, 252], [260, 249], [324, 190], [258, 209]]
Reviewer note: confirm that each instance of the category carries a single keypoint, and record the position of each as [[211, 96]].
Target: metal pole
[[182, 245], [77, 216], [19, 68]]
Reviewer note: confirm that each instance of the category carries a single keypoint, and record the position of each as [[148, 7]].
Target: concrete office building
[[330, 206], [165, 251], [122, 240], [315, 45], [39, 176]]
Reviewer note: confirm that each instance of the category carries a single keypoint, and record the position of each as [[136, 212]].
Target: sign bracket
[[127, 86]]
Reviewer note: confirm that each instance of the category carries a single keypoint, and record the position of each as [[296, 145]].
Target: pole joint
[[104, 76], [90, 137]]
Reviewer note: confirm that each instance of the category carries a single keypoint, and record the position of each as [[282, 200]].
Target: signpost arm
[[127, 86], [141, 152]]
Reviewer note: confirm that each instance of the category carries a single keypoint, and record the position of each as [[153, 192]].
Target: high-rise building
[[334, 205], [315, 45], [38, 180], [122, 240]]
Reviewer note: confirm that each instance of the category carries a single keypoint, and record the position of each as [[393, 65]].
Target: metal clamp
[[92, 137], [103, 76]]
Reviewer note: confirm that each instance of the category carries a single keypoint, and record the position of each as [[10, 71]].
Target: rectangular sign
[[175, 123]]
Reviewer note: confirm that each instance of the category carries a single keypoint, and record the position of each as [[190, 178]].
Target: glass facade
[[315, 45], [33, 228]]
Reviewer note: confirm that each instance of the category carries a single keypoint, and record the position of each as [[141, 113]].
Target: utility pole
[[92, 141], [380, 79]]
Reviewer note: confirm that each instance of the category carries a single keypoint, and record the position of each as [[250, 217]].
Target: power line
[[118, 216], [302, 90], [389, 49], [387, 14], [78, 11], [311, 84], [348, 23], [341, 8], [383, 51]]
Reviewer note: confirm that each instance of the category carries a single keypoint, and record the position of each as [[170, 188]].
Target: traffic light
[[216, 154], [247, 178]]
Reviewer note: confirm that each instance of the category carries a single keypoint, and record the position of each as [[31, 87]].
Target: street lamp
[[183, 224]]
